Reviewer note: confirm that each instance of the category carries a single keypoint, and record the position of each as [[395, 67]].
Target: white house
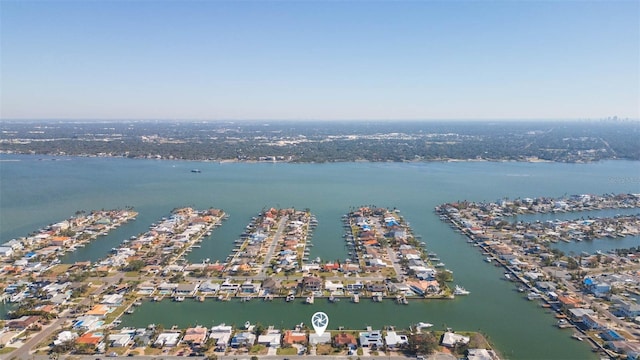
[[168, 339], [222, 334], [120, 339], [371, 338], [6, 251], [394, 340], [65, 336], [450, 339], [271, 339], [333, 286]]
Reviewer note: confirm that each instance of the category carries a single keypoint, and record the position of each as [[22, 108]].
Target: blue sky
[[319, 60]]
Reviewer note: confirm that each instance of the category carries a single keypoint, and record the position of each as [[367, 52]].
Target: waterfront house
[[167, 288], [311, 283], [577, 314], [480, 354], [229, 287], [99, 310], [376, 287], [591, 322], [270, 339], [611, 335], [195, 336], [345, 339], [356, 286], [249, 288], [112, 300], [394, 340], [630, 349], [399, 288], [569, 301], [315, 339], [371, 339], [146, 288], [121, 339], [16, 245], [451, 339], [168, 339], [243, 339], [143, 337], [270, 286], [350, 268], [222, 335], [60, 241], [294, 337], [424, 287], [6, 251], [186, 289], [332, 286], [209, 287]]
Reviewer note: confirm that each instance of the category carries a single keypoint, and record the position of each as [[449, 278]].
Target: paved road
[[272, 248], [23, 351]]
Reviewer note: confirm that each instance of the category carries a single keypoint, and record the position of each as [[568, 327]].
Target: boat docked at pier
[[459, 290]]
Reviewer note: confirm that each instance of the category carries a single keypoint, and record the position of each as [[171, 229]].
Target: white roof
[[393, 338], [450, 339], [168, 339]]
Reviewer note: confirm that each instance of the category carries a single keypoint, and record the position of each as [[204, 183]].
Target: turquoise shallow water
[[36, 191]]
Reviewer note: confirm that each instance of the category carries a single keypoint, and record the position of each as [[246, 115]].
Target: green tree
[[423, 344]]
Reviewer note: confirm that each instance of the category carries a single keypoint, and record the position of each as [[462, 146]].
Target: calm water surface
[[36, 191]]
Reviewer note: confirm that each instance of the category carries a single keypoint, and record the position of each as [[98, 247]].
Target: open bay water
[[36, 191]]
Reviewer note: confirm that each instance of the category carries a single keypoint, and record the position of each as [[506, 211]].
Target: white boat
[[309, 300], [533, 295], [290, 298], [356, 298], [459, 290], [333, 299], [247, 325], [488, 259], [178, 298]]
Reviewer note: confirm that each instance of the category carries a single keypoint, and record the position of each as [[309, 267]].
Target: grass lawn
[[324, 349], [152, 351], [287, 351], [59, 269], [132, 274], [7, 349], [259, 350], [388, 272]]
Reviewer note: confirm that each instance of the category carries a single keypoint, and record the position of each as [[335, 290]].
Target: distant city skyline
[[301, 60]]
